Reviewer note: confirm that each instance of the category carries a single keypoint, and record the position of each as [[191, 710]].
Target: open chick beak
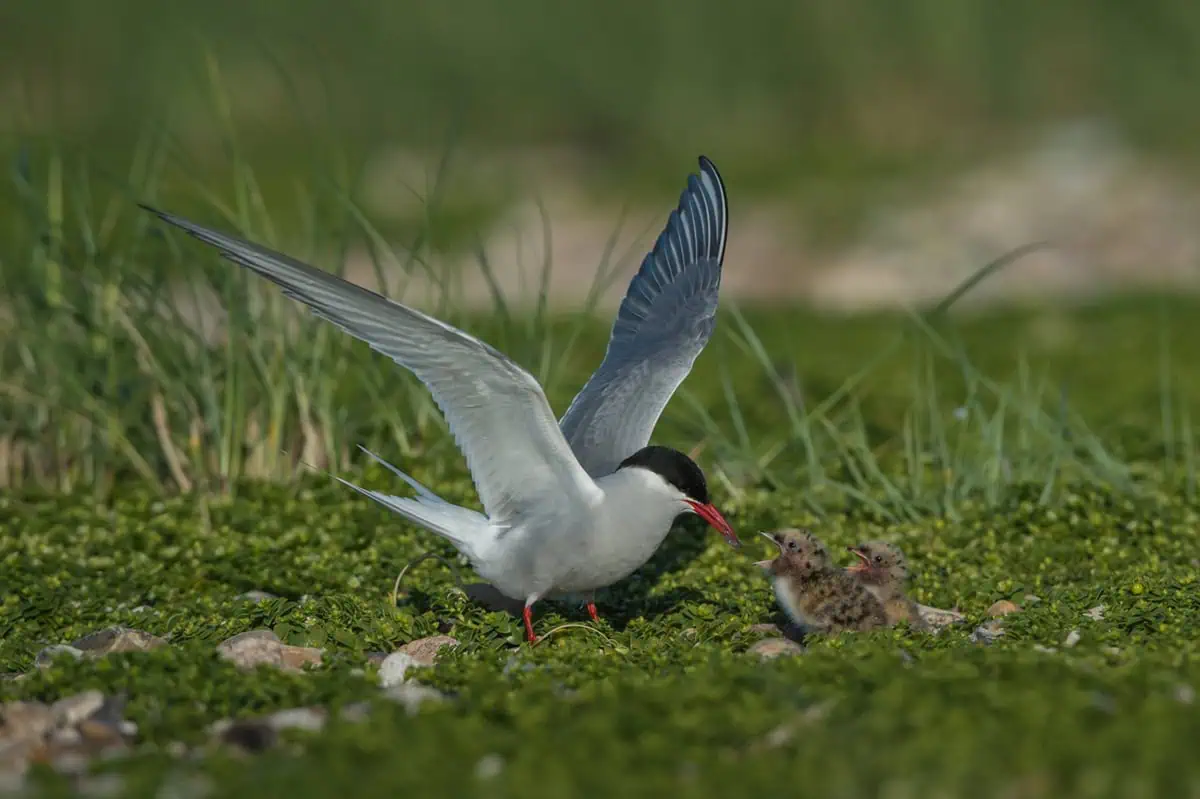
[[864, 563], [766, 564], [713, 516]]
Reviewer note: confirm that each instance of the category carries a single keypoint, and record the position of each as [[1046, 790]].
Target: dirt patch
[[1116, 220]]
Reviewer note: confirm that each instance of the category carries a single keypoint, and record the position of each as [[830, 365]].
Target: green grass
[[152, 475], [823, 103]]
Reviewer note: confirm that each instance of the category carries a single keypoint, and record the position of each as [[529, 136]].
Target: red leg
[[528, 615], [591, 606]]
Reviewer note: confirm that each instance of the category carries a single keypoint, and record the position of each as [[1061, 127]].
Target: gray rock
[[425, 650], [298, 718], [988, 632], [412, 695], [252, 648], [71, 710], [394, 668], [25, 721], [48, 655], [938, 618], [111, 640], [257, 596], [255, 648], [770, 648]]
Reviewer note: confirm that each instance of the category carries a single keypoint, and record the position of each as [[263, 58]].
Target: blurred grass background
[[271, 118], [816, 101]]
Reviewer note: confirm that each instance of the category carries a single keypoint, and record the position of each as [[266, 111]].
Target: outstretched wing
[[663, 323], [496, 410]]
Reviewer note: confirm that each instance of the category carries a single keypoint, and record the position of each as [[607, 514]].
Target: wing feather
[[496, 410], [664, 322]]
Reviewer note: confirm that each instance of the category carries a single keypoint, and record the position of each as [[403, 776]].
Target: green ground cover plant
[[153, 476]]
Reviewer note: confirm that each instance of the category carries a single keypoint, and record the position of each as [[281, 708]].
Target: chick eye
[[879, 558], [793, 546]]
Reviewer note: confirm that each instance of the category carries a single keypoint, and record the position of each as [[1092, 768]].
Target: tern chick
[[815, 593], [883, 570]]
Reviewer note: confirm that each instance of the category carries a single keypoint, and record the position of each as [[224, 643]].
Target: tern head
[[800, 553], [683, 482], [880, 563]]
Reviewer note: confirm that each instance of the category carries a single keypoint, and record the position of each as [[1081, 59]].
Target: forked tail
[[463, 527]]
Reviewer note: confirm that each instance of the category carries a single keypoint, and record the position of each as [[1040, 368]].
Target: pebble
[[256, 596], [311, 719], [117, 639], [1096, 613], [770, 648], [66, 736], [295, 658], [1185, 694], [394, 668], [1002, 608], [25, 721], [425, 650], [71, 710], [765, 629], [1072, 639], [49, 654], [254, 648], [937, 618], [489, 766], [988, 632], [412, 695]]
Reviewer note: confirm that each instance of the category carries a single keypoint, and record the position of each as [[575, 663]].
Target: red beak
[[858, 567], [713, 516]]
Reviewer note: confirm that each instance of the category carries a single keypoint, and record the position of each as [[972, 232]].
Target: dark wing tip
[[167, 217]]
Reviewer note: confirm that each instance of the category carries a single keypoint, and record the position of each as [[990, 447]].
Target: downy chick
[[813, 592], [883, 570]]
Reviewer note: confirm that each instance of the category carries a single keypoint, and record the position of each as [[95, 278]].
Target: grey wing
[[496, 410], [665, 319]]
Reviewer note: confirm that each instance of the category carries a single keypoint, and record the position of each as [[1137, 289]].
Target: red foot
[[591, 606], [528, 616]]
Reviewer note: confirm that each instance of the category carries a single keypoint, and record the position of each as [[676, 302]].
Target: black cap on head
[[673, 466]]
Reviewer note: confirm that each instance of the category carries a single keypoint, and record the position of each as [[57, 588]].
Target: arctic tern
[[570, 508]]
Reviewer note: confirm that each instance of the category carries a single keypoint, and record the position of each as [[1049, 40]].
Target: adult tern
[[570, 509]]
